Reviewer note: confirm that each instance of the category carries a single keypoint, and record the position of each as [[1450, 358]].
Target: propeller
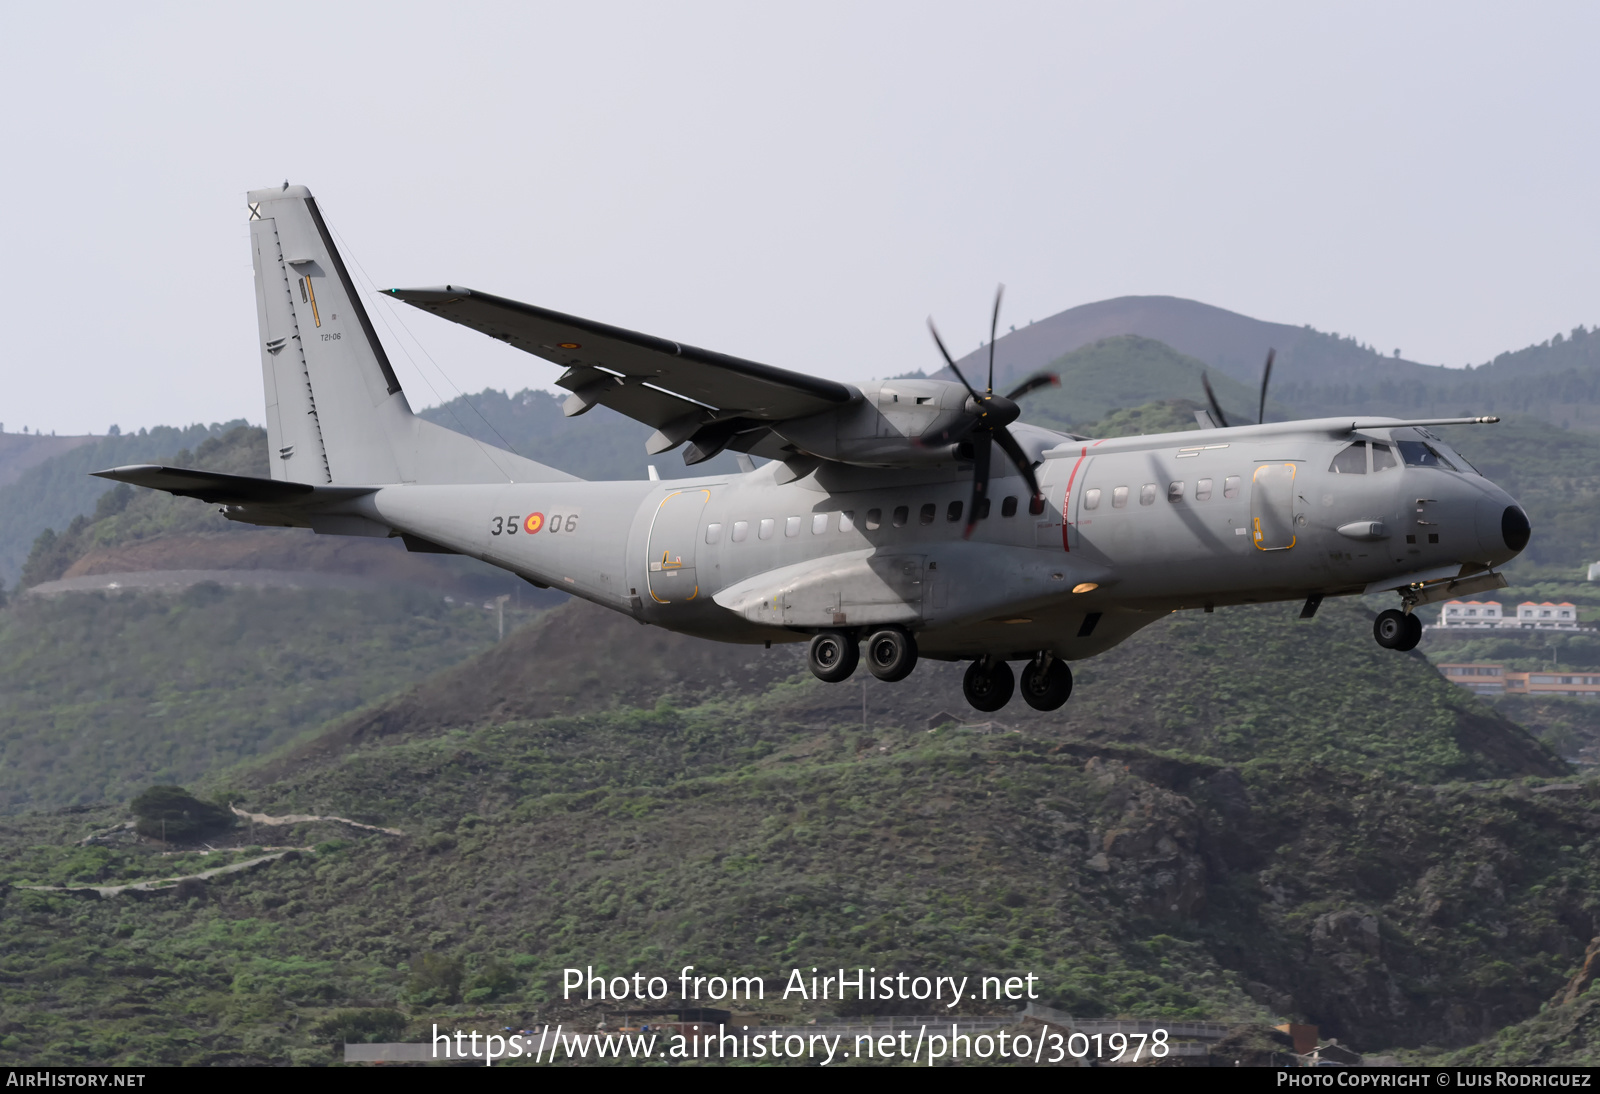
[[1261, 413], [987, 426]]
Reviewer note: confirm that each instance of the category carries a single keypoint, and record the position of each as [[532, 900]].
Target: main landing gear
[[1397, 630], [890, 654], [1046, 683]]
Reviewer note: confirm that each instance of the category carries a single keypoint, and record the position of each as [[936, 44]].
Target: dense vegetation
[[1557, 381], [51, 494], [104, 693], [1314, 855], [125, 515]]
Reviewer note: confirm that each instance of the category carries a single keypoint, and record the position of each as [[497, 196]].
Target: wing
[[687, 394]]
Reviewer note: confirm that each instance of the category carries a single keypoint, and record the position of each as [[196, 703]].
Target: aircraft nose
[[1503, 528]]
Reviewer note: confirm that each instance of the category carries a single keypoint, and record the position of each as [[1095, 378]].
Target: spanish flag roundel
[[534, 522]]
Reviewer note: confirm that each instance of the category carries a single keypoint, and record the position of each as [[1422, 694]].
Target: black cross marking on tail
[[255, 210]]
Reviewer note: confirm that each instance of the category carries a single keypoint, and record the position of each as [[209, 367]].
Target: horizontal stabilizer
[[213, 486]]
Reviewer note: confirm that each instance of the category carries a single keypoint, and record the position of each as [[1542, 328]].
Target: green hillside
[[105, 694], [1128, 371], [1556, 381], [51, 494], [1198, 834], [600, 444]]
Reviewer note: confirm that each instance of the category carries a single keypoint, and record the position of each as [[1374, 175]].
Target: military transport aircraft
[[882, 526]]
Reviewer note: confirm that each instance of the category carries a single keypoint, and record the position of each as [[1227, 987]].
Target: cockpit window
[[1382, 457], [1351, 461], [1455, 458], [1422, 454]]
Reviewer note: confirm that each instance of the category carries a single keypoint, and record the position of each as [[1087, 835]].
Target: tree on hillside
[[172, 813]]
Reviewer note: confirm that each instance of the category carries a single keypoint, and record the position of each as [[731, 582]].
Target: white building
[[1562, 616], [1470, 613]]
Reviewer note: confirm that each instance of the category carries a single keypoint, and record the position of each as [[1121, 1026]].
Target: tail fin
[[335, 411]]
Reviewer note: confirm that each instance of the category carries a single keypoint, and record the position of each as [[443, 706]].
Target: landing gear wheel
[[1396, 630], [1413, 633], [988, 685], [1046, 688], [833, 656], [891, 654]]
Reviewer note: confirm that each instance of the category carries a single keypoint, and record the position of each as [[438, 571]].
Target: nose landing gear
[[1397, 630]]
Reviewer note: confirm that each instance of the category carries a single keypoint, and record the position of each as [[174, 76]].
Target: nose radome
[[1514, 528]]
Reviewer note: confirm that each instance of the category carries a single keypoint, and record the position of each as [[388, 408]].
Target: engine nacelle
[[885, 427]]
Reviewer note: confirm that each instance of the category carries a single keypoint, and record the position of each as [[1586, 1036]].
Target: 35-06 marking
[[533, 523]]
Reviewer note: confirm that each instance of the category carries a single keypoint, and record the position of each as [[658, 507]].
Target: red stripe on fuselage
[[1066, 499]]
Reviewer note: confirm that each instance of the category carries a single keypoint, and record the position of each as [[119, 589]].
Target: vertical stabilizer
[[335, 411]]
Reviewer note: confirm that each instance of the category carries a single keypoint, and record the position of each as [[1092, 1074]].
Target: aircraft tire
[[1391, 630], [1047, 689], [891, 654], [1413, 633], [988, 689], [833, 656]]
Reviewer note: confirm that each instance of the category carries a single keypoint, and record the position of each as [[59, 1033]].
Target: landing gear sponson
[[891, 654]]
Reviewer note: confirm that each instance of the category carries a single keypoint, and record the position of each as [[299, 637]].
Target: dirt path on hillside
[[302, 818], [165, 882]]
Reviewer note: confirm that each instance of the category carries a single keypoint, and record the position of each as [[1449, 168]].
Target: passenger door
[[1272, 507], [670, 557]]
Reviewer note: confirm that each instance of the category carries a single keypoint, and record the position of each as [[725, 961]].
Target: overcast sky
[[802, 185]]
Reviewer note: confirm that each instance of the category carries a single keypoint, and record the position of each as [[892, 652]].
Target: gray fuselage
[[1217, 517]]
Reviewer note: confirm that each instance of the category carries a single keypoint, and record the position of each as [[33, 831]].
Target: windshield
[[1423, 454]]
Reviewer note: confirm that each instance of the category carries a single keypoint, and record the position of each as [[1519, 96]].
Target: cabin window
[[1382, 457], [1119, 497], [1091, 498], [874, 519], [713, 533], [741, 531], [847, 521], [1230, 486], [1147, 494], [930, 512], [1351, 460], [819, 523], [1008, 508], [1202, 490], [953, 513], [767, 526], [902, 513], [791, 526], [1174, 491], [982, 512]]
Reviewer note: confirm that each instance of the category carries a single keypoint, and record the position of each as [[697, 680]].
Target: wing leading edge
[[711, 400]]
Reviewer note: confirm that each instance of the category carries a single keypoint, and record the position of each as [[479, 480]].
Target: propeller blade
[[951, 361], [1266, 374], [981, 451], [1211, 396], [1033, 383], [1009, 445], [994, 325]]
